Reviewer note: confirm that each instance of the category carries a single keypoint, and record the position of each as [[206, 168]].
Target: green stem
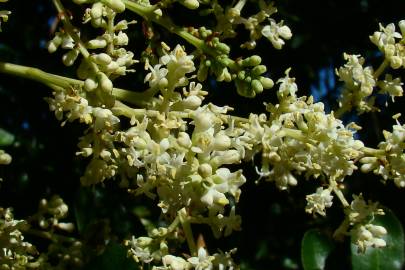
[[50, 236], [381, 69], [70, 29], [148, 14], [187, 231], [50, 79], [372, 152]]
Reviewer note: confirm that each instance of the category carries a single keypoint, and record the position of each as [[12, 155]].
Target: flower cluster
[[15, 252], [100, 68], [360, 215], [386, 41], [360, 81], [389, 162], [299, 137]]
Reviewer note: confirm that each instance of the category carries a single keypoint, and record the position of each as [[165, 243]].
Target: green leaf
[[6, 138], [390, 257], [114, 257], [315, 248]]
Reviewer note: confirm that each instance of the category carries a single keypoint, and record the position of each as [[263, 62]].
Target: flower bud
[[54, 43], [192, 102], [70, 57], [222, 142], [104, 82], [257, 86], [184, 140], [401, 25], [202, 121], [205, 170], [267, 83], [252, 61], [190, 4], [97, 43], [396, 62], [96, 10], [227, 157], [376, 230], [102, 59], [112, 67], [90, 84], [259, 70], [121, 39]]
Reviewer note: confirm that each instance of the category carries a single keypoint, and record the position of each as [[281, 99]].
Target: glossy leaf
[[6, 138], [390, 257], [315, 249]]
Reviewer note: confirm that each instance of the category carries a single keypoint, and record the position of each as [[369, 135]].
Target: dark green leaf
[[6, 138], [114, 257], [390, 257], [315, 248]]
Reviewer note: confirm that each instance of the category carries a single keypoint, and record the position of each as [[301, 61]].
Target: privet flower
[[319, 201], [276, 33], [368, 236]]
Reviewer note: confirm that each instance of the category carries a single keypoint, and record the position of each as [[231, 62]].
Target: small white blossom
[[319, 201]]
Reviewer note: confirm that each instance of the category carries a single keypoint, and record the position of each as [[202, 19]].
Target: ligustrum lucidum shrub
[[169, 143]]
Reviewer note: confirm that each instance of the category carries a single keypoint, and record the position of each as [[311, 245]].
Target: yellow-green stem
[[66, 82]]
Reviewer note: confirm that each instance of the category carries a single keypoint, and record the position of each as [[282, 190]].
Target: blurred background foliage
[[274, 222]]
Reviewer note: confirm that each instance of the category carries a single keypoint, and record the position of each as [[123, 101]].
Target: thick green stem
[[65, 82]]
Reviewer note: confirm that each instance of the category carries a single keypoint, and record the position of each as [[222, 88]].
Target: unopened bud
[[70, 57], [190, 4]]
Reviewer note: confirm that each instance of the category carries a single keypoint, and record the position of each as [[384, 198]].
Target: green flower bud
[[251, 61], [90, 84], [97, 43], [104, 82], [96, 10], [223, 48], [241, 75], [102, 59], [257, 86], [205, 170], [54, 44], [70, 57], [259, 70], [267, 83]]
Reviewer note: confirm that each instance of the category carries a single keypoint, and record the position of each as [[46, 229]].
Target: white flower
[[276, 32], [176, 263], [203, 261], [178, 64], [319, 201], [390, 86], [104, 118], [157, 76]]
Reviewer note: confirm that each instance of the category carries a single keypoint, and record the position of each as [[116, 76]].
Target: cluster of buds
[[360, 214], [15, 252], [299, 137], [389, 163], [386, 41], [50, 212]]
